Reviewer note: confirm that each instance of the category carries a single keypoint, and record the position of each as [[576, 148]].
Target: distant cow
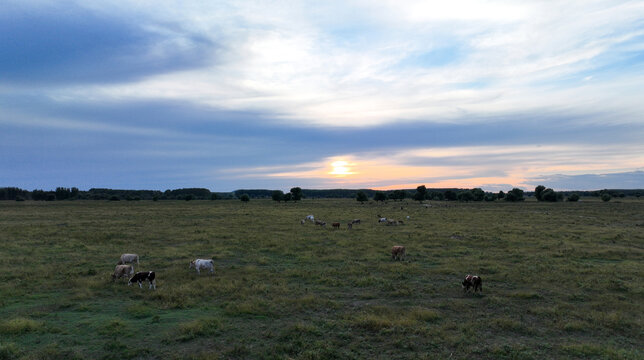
[[398, 252], [381, 220], [355, 221], [319, 222], [309, 217], [349, 226], [122, 271], [336, 225], [141, 276], [302, 222], [128, 258], [199, 264], [472, 281]]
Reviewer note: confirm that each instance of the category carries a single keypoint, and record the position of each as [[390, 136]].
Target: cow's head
[[192, 264]]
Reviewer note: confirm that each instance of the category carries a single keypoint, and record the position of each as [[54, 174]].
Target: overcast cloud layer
[[228, 95]]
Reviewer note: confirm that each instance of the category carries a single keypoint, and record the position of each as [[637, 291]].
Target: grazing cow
[[349, 226], [128, 258], [400, 222], [302, 221], [141, 276], [392, 222], [381, 220], [336, 225], [319, 222], [398, 252], [309, 217], [199, 264], [122, 271], [355, 221], [472, 281]]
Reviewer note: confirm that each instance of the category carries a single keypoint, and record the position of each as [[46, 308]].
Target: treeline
[[62, 193], [541, 193]]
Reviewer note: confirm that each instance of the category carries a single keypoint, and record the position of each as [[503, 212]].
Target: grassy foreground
[[560, 280]]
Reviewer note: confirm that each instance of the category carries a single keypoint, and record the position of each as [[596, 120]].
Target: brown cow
[[398, 252], [122, 271], [472, 281], [336, 225]]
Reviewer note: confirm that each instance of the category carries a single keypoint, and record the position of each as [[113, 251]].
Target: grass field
[[560, 280]]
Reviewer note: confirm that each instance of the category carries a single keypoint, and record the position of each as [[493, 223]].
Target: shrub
[[549, 195], [515, 194], [114, 198], [244, 198], [362, 197], [606, 197], [573, 197]]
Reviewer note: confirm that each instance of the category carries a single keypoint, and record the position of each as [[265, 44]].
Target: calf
[[128, 258], [472, 281], [381, 220], [319, 222], [142, 276], [398, 252], [336, 225], [122, 271], [355, 221], [309, 217], [203, 264], [349, 226]]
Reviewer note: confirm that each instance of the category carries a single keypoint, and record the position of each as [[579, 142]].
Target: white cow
[[310, 217], [203, 264], [128, 258]]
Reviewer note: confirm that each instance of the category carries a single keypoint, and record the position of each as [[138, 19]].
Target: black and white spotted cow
[[141, 276]]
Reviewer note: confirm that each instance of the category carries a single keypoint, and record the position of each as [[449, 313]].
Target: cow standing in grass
[[141, 276], [398, 252], [122, 271], [472, 281], [128, 258], [336, 225], [199, 264]]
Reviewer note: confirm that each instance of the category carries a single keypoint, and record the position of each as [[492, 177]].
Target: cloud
[[66, 44], [622, 180]]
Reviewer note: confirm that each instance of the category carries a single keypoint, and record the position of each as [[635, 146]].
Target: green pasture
[[560, 280]]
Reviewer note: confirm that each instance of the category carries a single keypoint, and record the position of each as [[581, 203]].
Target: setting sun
[[341, 168]]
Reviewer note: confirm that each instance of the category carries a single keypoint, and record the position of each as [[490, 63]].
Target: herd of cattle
[[125, 266]]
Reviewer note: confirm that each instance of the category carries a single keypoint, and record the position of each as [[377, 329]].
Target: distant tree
[[573, 197], [478, 194], [490, 197], [50, 196], [622, 195], [398, 195], [450, 195], [214, 196], [244, 198], [435, 195], [500, 195], [548, 195], [288, 197], [38, 195], [362, 197], [114, 198], [297, 193], [421, 193], [379, 196], [606, 196], [515, 194], [189, 197], [538, 191], [74, 193], [277, 195], [155, 198], [465, 195], [63, 193]]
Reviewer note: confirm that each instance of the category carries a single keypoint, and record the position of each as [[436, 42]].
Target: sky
[[228, 95]]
